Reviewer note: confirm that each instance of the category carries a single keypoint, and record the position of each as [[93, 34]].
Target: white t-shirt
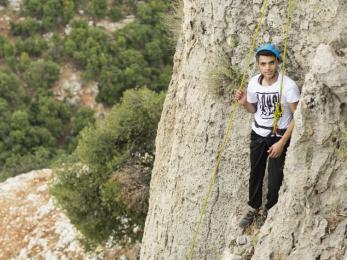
[[266, 98]]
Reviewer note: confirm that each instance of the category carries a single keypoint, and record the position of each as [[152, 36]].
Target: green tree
[[50, 114], [85, 187], [68, 9], [42, 74], [16, 163], [154, 53], [98, 8], [151, 12], [11, 90], [33, 8], [27, 27], [81, 118], [8, 49], [20, 120], [52, 13], [24, 61], [116, 13], [161, 78], [33, 45], [56, 51]]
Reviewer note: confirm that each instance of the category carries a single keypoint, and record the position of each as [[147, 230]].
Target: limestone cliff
[[309, 221], [32, 227]]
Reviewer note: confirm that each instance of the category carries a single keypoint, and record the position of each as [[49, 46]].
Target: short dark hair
[[264, 53]]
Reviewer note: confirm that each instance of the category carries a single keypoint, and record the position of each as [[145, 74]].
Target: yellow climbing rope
[[234, 108], [233, 111], [279, 107]]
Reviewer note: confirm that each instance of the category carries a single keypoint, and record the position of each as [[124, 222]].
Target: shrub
[[116, 13], [137, 55], [150, 12], [4, 2], [24, 61], [50, 114], [223, 77], [16, 163], [69, 8], [92, 196], [98, 8], [51, 12], [34, 45], [28, 27], [42, 74], [10, 90], [33, 8]]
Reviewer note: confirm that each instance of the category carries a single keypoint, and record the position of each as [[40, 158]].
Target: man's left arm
[[277, 148]]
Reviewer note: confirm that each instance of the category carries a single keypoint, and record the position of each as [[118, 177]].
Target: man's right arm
[[241, 98]]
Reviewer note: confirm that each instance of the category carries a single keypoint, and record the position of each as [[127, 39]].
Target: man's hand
[[240, 97], [276, 149]]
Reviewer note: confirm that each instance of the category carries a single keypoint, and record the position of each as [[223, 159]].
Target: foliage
[[51, 114], [8, 51], [81, 117], [85, 187], [42, 74], [51, 12], [96, 184], [11, 92], [223, 77], [56, 49], [150, 12], [173, 18], [24, 61], [98, 8], [4, 2], [27, 27], [34, 45], [34, 130], [131, 126], [116, 13], [136, 56]]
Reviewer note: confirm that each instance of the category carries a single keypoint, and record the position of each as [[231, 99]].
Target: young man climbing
[[263, 92]]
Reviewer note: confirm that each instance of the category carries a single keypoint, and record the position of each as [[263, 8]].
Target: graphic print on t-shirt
[[266, 104]]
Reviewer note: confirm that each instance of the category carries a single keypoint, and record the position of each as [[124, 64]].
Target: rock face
[[33, 228], [72, 89], [309, 221], [30, 225]]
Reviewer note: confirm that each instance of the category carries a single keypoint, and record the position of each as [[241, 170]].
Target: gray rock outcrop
[[32, 227], [309, 221]]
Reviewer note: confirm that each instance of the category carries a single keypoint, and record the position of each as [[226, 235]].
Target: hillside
[[81, 90], [64, 64], [83, 85]]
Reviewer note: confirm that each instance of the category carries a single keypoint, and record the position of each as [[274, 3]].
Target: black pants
[[259, 147]]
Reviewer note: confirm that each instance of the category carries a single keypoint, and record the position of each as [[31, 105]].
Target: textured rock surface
[[310, 219], [30, 224], [74, 90], [33, 228]]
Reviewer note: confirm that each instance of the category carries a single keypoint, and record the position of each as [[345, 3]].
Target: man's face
[[268, 66]]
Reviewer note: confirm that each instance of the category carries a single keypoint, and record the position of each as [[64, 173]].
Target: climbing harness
[[234, 108]]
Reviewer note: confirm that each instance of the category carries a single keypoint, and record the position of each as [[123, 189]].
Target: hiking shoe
[[248, 219], [260, 219]]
